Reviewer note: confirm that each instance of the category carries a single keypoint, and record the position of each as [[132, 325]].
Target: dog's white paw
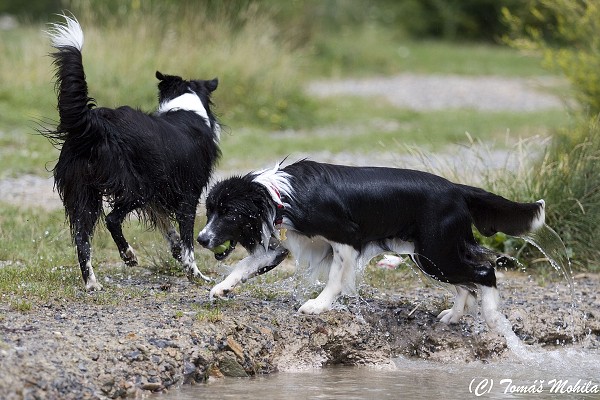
[[92, 285], [450, 316], [314, 306], [494, 319], [194, 274], [389, 262], [220, 290]]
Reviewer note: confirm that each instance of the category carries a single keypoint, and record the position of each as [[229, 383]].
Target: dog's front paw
[[220, 290], [450, 316], [194, 274], [197, 275], [314, 306]]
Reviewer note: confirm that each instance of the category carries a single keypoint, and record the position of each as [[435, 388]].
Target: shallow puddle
[[564, 373]]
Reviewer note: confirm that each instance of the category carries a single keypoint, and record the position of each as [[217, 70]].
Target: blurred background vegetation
[[265, 52]]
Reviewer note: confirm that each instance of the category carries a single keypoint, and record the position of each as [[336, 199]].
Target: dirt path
[[443, 92]]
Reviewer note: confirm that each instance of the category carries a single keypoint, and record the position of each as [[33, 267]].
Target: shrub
[[568, 176], [566, 32]]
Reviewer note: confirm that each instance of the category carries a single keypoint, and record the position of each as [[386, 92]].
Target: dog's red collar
[[280, 207], [278, 215]]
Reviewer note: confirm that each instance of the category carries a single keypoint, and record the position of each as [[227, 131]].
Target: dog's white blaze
[[539, 221], [207, 233], [187, 102], [276, 181], [69, 34]]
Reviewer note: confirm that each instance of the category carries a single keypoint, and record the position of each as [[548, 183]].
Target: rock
[[230, 367], [152, 386], [215, 372], [235, 347]]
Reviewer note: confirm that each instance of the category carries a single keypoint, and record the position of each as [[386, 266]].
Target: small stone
[[235, 347], [152, 386], [265, 331], [215, 372]]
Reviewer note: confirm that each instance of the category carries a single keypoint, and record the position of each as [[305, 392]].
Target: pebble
[[152, 386]]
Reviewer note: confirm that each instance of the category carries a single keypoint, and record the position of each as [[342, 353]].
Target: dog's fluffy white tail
[[68, 34]]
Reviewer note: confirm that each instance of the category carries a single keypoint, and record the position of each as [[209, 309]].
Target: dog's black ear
[[212, 84], [160, 76]]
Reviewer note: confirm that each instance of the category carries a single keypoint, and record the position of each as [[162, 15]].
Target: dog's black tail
[[73, 101], [492, 213]]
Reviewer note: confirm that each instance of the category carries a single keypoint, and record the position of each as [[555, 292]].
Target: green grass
[[386, 130], [262, 73], [39, 263], [370, 50]]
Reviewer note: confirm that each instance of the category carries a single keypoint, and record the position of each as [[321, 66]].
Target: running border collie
[[156, 164], [339, 217]]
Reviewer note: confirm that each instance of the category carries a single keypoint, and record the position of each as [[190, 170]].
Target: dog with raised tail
[[156, 164], [336, 218]]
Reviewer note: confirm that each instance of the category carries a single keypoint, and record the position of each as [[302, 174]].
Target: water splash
[[552, 247]]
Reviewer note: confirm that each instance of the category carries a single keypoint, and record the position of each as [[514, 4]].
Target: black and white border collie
[[157, 163], [339, 217]]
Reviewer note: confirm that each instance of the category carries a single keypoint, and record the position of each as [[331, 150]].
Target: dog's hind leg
[[464, 302], [186, 230], [84, 210], [450, 254], [171, 235], [490, 299], [114, 221], [340, 273]]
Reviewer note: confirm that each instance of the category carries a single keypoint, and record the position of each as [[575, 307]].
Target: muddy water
[[541, 374]]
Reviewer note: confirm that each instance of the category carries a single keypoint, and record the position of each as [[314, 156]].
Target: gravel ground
[[171, 335], [163, 338]]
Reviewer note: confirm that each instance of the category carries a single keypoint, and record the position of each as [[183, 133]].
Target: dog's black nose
[[203, 240]]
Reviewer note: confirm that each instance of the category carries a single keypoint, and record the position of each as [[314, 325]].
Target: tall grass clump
[[242, 46], [568, 177]]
